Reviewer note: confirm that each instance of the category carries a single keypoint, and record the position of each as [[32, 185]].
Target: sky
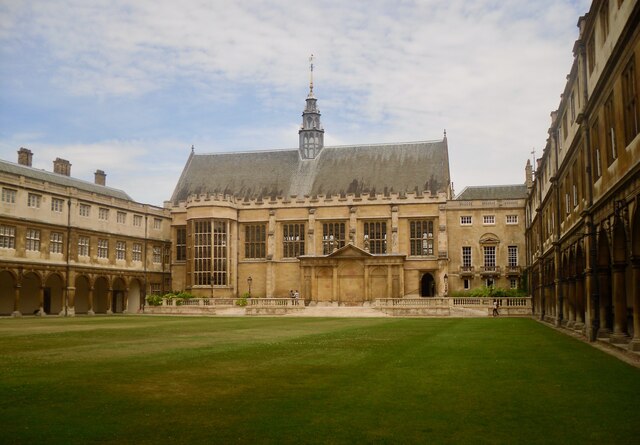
[[128, 86]]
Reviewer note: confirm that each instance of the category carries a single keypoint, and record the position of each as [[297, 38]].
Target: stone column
[[90, 302], [619, 305], [394, 230], [604, 290], [558, 291], [335, 296], [271, 254], [366, 282], [125, 302], [41, 311], [109, 301], [635, 342], [579, 299], [16, 301], [572, 303], [390, 283], [71, 301]]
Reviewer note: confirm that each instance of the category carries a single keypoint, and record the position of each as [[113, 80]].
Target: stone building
[[70, 246], [343, 224], [582, 215], [486, 237]]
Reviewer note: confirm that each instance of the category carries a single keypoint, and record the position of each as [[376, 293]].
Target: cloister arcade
[[606, 295], [42, 292]]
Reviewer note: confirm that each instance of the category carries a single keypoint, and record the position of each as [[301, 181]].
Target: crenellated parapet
[[294, 201]]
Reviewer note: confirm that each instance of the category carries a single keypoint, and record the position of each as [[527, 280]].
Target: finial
[[445, 133], [192, 148], [311, 75]]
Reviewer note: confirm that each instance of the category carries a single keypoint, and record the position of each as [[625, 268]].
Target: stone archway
[[618, 282], [82, 299], [7, 292], [101, 296], [427, 285], [53, 295], [134, 300], [605, 303], [30, 294], [119, 296]]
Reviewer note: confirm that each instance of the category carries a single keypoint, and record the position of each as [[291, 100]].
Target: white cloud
[[489, 71]]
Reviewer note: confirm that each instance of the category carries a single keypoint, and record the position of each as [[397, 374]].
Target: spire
[[311, 76], [311, 132]]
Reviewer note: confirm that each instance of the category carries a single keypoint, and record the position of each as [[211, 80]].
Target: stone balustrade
[[437, 307]]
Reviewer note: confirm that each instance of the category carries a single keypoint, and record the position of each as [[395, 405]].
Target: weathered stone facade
[[68, 246], [583, 217]]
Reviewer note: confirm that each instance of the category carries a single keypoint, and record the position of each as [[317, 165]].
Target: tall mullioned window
[[136, 252], [595, 150], [7, 237], [55, 242], [375, 236], [33, 239], [57, 204], [421, 238], [210, 252], [157, 254], [121, 250], [83, 246], [292, 240], [630, 102], [33, 200], [512, 256], [255, 241], [84, 210], [220, 245], [103, 248], [181, 244], [466, 256], [9, 195], [202, 253], [333, 236], [489, 257], [609, 126]]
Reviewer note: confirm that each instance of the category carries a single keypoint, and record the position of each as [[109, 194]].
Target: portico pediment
[[350, 251], [489, 238]]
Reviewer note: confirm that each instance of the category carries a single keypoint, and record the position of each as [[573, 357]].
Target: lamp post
[[249, 281]]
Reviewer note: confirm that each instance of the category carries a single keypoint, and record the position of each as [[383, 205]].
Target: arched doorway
[[53, 299], [427, 285], [30, 294], [118, 296], [7, 292], [134, 297], [81, 299], [101, 296]]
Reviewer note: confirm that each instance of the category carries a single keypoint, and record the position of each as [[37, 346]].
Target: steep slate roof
[[513, 191], [380, 168], [66, 181]]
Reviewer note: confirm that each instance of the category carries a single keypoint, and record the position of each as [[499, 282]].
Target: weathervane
[[311, 75]]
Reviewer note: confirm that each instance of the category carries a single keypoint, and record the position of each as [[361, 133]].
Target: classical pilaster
[[394, 229], [604, 291], [579, 299], [620, 334], [90, 302], [41, 311], [109, 301], [71, 301], [310, 245], [16, 301], [572, 303], [558, 290]]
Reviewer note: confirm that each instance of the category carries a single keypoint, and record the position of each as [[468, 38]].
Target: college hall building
[[342, 225]]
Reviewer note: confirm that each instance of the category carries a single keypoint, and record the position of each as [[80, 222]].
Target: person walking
[[495, 308]]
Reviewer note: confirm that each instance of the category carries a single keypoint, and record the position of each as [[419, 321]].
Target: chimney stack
[[25, 156], [62, 167], [100, 177]]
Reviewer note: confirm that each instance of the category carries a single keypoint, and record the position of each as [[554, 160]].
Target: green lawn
[[151, 380]]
